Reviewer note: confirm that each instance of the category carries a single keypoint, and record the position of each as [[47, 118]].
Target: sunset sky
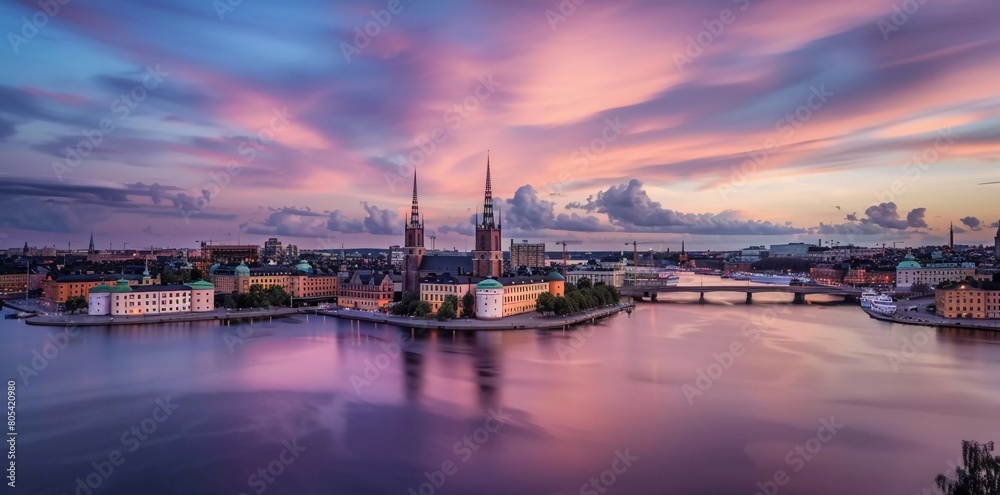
[[722, 123]]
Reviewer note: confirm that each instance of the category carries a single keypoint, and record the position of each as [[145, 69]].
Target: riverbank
[[530, 320], [928, 320], [219, 314]]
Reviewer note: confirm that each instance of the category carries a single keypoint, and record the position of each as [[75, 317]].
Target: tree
[[546, 303], [422, 309], [447, 309], [75, 303], [980, 476], [230, 302], [277, 296], [920, 288], [583, 283], [196, 274], [468, 305], [167, 276]]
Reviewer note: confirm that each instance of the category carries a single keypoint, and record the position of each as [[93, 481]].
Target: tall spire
[[488, 200], [952, 236], [414, 209], [90, 248]]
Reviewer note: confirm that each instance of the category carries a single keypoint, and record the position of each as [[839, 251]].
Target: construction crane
[[635, 251], [565, 254]]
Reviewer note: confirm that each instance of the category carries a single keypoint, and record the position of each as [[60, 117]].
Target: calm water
[[329, 407]]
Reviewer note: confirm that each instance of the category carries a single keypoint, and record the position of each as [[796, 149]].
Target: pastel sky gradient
[[724, 123]]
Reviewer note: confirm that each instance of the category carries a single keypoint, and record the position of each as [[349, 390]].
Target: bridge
[[800, 291]]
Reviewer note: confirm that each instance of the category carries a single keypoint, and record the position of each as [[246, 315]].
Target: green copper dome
[[243, 270], [201, 285], [120, 286], [555, 276], [100, 288], [489, 284], [908, 262], [304, 267]]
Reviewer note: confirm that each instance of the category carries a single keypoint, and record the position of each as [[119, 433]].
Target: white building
[[489, 300], [124, 299], [753, 254], [910, 272]]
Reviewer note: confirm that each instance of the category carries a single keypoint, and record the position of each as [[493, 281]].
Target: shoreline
[[524, 321], [219, 314], [928, 323]]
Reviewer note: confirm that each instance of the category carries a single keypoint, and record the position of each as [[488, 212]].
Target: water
[[293, 396]]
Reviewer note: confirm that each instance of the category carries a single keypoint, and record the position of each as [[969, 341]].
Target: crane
[[565, 254], [635, 251]]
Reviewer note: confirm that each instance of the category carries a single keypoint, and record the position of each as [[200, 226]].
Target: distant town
[[488, 283]]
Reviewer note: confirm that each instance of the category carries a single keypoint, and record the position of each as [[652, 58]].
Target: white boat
[[866, 298], [883, 304], [651, 277], [771, 279]]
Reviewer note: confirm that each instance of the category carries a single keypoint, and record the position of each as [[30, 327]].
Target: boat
[[651, 277], [883, 304], [771, 279], [740, 276], [866, 298]]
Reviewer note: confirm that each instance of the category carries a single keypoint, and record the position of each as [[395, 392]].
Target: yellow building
[[509, 296], [240, 278], [434, 289], [366, 291], [969, 299], [17, 281], [79, 285]]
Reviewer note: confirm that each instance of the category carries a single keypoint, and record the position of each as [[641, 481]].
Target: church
[[433, 277]]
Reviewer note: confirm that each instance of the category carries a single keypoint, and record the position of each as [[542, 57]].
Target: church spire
[[414, 209], [488, 200], [90, 248]]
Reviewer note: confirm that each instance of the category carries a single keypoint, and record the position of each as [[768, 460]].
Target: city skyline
[[877, 125]]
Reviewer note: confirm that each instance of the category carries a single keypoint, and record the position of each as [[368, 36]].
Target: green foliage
[[230, 302], [75, 303], [448, 308], [196, 274], [920, 288], [583, 283], [578, 300], [423, 308], [979, 476], [468, 305], [168, 276], [260, 297], [546, 303]]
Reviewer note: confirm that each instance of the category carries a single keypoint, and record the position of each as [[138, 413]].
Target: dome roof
[[100, 288], [304, 267], [908, 262], [243, 270], [120, 286], [555, 276], [489, 283], [201, 285], [213, 268]]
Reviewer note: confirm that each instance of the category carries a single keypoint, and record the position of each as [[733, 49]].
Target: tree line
[[579, 297]]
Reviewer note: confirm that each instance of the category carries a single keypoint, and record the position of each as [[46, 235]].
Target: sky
[[722, 123]]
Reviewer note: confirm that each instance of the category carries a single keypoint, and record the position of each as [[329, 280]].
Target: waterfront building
[[875, 276], [371, 291], [910, 272], [753, 254], [18, 279], [67, 286], [435, 288], [300, 281], [314, 286], [508, 296], [123, 298], [527, 255], [613, 277], [975, 299], [792, 250]]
